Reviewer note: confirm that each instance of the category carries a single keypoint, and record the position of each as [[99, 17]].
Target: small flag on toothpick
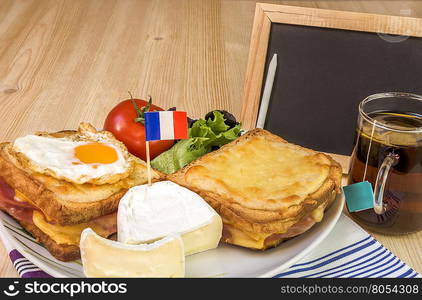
[[164, 125]]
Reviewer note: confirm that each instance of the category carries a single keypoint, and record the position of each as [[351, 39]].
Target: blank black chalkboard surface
[[328, 61]]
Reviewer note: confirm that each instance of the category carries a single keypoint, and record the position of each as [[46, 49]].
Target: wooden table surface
[[63, 62]]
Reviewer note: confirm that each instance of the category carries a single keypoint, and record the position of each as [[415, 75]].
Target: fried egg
[[92, 158]]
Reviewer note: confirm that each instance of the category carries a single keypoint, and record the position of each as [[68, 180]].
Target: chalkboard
[[328, 62], [322, 76]]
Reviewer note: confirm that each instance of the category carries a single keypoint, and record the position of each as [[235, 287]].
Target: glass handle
[[390, 160]]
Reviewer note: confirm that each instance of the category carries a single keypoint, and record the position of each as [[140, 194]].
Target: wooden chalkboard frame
[[266, 14]]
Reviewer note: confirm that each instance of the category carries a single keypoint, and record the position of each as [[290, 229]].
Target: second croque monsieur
[[265, 189]]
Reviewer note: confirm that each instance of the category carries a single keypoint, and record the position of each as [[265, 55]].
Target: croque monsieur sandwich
[[58, 184], [265, 189]]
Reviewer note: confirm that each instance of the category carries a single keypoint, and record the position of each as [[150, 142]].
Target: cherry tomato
[[121, 122]]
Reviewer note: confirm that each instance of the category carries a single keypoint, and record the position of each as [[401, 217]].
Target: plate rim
[[338, 206], [339, 209]]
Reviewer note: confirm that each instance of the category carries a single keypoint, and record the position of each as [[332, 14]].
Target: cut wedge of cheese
[[106, 258], [147, 213]]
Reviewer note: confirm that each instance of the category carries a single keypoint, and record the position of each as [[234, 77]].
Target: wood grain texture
[[255, 68], [6, 267], [67, 61]]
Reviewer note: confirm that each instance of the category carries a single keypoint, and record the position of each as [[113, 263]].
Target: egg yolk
[[96, 153]]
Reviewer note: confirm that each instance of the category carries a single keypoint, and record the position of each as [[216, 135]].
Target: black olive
[[230, 120], [190, 122]]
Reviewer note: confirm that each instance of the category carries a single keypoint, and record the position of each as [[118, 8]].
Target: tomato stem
[[140, 112]]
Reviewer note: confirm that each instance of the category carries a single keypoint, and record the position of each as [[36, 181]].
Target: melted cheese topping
[[242, 238], [256, 240], [318, 213], [260, 173], [23, 198], [69, 234]]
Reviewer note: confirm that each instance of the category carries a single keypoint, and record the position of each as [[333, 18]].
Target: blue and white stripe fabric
[[350, 252], [24, 267]]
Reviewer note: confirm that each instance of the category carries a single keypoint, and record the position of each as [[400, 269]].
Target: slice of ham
[[107, 222], [297, 229], [22, 211]]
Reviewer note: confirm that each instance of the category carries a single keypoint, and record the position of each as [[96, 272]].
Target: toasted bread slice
[[64, 202], [61, 252], [262, 185]]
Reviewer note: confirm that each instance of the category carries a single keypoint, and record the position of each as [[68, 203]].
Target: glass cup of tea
[[388, 153]]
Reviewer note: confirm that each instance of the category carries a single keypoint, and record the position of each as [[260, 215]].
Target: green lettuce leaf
[[201, 129], [226, 137], [180, 155], [217, 124]]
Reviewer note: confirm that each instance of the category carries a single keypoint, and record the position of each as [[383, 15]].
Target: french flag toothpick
[[164, 125]]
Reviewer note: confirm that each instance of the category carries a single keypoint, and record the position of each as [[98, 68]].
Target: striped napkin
[[25, 268], [348, 251]]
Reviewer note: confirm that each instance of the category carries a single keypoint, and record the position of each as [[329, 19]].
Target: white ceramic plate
[[225, 261]]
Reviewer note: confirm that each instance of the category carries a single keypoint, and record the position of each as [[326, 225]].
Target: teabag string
[[360, 196], [369, 150]]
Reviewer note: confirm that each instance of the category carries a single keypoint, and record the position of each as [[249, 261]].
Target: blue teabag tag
[[359, 196]]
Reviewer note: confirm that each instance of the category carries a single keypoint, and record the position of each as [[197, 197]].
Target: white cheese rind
[[147, 213], [203, 238], [106, 258]]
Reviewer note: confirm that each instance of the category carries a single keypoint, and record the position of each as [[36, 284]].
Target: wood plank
[[6, 267], [255, 68], [347, 20]]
